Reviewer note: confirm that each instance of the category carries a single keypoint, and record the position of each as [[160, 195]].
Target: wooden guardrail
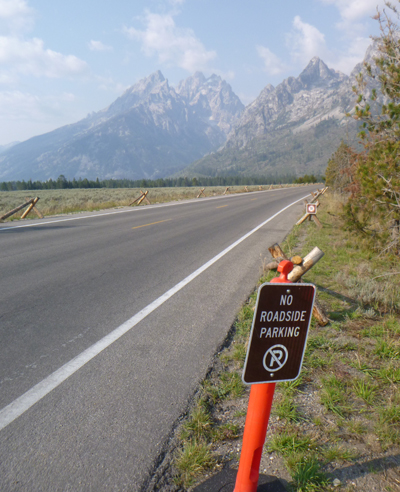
[[301, 266], [143, 196], [314, 203], [31, 206]]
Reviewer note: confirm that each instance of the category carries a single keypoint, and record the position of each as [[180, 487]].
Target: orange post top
[[284, 268]]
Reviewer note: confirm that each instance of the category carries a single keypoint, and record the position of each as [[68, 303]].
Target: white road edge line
[[15, 409], [135, 209]]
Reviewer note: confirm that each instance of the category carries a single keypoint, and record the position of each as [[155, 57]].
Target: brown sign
[[279, 333]]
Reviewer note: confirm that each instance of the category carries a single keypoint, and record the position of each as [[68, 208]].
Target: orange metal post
[[258, 412]]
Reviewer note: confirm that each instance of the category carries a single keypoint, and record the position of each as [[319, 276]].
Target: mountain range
[[293, 128], [199, 128], [151, 131]]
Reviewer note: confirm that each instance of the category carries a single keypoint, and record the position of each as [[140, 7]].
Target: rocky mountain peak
[[212, 99], [189, 87], [370, 55], [215, 80], [146, 85], [156, 82], [317, 74], [318, 93]]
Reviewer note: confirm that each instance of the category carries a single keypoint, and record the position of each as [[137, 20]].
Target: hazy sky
[[60, 60]]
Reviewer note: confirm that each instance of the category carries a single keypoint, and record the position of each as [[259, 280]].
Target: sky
[[61, 60]]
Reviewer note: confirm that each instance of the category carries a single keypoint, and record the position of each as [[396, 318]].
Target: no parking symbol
[[275, 358]]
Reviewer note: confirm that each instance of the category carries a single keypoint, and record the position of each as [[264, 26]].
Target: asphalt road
[[97, 364]]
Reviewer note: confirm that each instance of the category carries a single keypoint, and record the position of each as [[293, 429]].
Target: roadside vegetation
[[372, 175], [64, 201], [338, 426]]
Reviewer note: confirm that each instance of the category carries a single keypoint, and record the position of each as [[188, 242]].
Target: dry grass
[[54, 202]]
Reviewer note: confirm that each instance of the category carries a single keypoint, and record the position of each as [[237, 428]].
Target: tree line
[[63, 183]]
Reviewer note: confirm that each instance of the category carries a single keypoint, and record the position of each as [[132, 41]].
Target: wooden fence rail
[[30, 204], [298, 271], [142, 197]]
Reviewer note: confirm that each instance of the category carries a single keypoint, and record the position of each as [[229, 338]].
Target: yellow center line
[[145, 225], [222, 206], [252, 200]]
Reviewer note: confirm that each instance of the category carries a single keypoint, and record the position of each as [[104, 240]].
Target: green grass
[[289, 443], [387, 349], [226, 432], [308, 477], [315, 361], [338, 453], [230, 386], [285, 408], [365, 390], [389, 374], [198, 426], [334, 396], [191, 460]]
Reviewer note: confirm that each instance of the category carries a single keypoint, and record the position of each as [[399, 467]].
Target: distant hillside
[[5, 147], [151, 131]]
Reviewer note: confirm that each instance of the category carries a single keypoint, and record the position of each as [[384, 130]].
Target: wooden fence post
[[145, 196], [17, 209], [141, 198], [33, 203], [298, 271]]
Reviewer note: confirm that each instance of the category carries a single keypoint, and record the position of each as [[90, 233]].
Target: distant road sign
[[311, 208], [279, 333]]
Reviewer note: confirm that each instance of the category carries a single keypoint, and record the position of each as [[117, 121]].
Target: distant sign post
[[279, 333], [311, 208]]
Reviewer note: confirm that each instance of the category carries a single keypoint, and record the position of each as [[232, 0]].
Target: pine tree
[[374, 206]]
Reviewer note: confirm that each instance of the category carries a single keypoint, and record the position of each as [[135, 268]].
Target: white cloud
[[172, 45], [352, 10], [354, 30], [18, 56], [305, 41], [15, 16], [110, 85], [272, 64], [98, 46], [354, 15], [12, 8], [345, 62]]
